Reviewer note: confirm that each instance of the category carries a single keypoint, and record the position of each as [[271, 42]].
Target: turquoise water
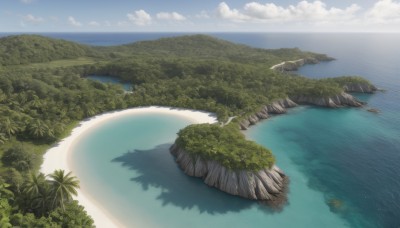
[[348, 155], [112, 80], [125, 164], [307, 141]]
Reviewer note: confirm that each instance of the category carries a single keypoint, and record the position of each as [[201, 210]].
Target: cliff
[[359, 88], [277, 107], [265, 184], [296, 64], [280, 106], [336, 101]]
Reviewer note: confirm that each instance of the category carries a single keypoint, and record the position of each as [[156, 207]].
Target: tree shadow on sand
[[157, 168]]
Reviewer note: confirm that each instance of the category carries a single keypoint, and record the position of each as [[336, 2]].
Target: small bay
[[126, 166]]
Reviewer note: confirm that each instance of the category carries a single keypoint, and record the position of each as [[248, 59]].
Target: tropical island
[[44, 94], [226, 160]]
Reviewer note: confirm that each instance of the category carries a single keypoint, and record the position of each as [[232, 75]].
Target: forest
[[44, 94], [225, 145]]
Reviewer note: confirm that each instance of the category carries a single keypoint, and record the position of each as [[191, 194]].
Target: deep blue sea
[[348, 156]]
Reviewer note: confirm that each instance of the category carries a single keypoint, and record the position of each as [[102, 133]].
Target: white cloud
[[94, 24], [72, 21], [32, 19], [225, 12], [170, 16], [267, 11], [140, 17], [384, 12], [316, 11]]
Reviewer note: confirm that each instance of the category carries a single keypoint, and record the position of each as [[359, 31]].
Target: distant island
[[44, 95]]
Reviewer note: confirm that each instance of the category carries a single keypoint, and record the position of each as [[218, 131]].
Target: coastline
[[59, 156]]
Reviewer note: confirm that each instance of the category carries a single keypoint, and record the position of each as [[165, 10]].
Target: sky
[[199, 16]]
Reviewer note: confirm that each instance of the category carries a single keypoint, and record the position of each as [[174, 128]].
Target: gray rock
[[253, 119], [244, 124], [342, 99], [359, 88], [262, 185], [200, 168], [231, 185], [262, 114], [277, 107]]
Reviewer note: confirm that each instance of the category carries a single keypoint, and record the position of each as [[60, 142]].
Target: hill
[[25, 49], [208, 47]]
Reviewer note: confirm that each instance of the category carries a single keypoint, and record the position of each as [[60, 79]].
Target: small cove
[[142, 185]]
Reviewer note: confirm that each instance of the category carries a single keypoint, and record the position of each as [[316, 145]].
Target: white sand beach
[[58, 156]]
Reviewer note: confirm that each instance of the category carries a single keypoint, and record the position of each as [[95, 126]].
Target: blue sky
[[199, 16]]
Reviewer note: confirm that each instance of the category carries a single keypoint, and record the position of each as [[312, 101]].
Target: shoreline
[[59, 156]]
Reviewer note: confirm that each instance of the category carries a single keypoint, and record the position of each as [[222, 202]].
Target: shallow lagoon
[[141, 184]]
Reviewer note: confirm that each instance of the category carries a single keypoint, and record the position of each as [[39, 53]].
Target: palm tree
[[3, 138], [8, 126], [3, 96], [33, 184], [39, 193], [35, 103], [39, 129], [5, 192], [89, 110], [63, 186], [41, 203]]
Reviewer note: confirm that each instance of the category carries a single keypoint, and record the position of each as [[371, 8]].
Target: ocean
[[343, 163]]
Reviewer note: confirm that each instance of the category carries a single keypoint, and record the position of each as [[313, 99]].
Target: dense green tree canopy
[[225, 145], [24, 49]]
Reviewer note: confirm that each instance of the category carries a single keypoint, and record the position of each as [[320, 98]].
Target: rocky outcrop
[[374, 110], [265, 184], [359, 88], [280, 106], [340, 100], [296, 64], [277, 107]]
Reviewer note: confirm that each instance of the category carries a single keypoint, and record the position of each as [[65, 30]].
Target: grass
[[68, 129], [62, 63], [57, 64]]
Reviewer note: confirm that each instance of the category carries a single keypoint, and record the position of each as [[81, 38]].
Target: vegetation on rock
[[225, 145]]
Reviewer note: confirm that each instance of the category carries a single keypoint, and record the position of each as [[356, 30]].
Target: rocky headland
[[281, 106], [359, 88], [265, 184]]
